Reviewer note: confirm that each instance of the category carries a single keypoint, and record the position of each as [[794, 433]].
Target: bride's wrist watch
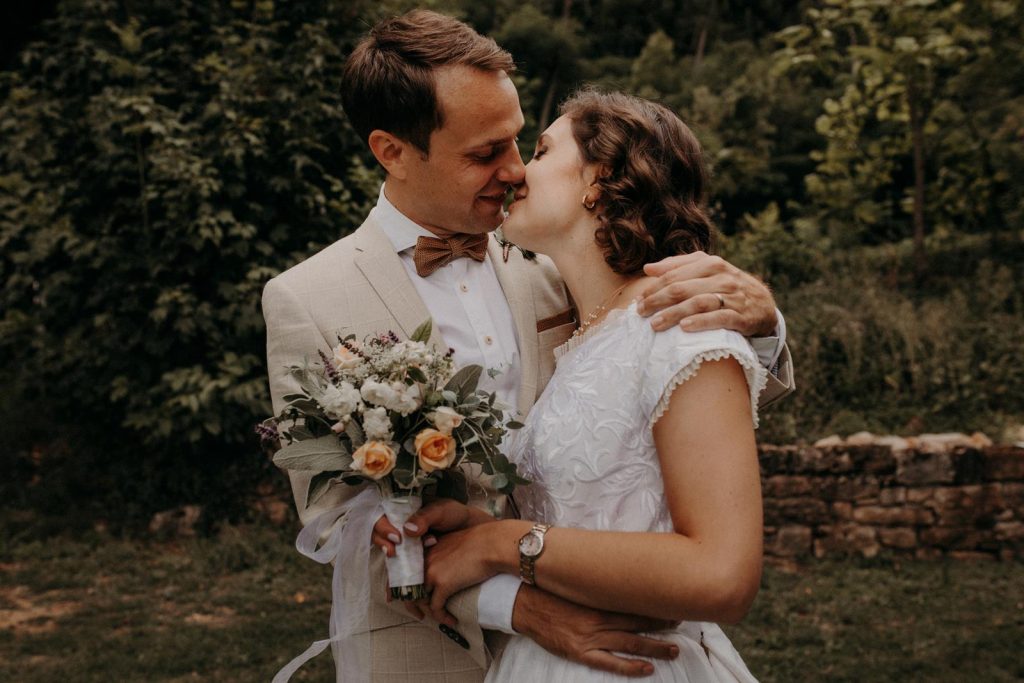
[[530, 548]]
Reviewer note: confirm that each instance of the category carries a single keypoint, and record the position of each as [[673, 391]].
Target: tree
[[895, 62]]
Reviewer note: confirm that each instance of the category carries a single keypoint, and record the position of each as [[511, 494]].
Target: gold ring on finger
[[721, 301]]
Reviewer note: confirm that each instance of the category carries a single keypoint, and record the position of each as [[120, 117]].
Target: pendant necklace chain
[[598, 311]]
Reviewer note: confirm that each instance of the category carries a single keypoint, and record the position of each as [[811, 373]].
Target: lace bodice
[[587, 444]]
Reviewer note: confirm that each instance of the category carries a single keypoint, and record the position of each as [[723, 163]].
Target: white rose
[[445, 419], [376, 424], [339, 402], [408, 398], [379, 394], [412, 352]]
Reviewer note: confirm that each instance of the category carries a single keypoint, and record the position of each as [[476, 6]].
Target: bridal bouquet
[[393, 413]]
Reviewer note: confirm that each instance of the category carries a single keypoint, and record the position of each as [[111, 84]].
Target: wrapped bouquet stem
[[405, 569]]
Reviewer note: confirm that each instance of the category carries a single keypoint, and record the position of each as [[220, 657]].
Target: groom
[[433, 100]]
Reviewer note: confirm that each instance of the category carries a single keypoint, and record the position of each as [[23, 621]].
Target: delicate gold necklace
[[597, 311]]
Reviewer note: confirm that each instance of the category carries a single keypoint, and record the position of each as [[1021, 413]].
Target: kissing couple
[[638, 360]]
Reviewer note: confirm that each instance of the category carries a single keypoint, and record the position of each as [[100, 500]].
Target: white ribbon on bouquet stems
[[350, 603]]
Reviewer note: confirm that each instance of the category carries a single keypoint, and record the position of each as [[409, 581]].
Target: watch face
[[531, 544]]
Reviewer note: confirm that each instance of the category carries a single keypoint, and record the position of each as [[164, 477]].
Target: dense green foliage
[[160, 161]]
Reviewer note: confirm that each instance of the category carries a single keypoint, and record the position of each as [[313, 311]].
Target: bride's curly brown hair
[[652, 178]]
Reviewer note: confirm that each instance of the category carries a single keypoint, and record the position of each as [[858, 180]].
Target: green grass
[[237, 607]]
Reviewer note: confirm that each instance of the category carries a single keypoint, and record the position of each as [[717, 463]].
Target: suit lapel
[[383, 269], [516, 286]]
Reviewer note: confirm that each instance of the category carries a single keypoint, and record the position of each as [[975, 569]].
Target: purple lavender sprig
[[267, 432], [332, 372]]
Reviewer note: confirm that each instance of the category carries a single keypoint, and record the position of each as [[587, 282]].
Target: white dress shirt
[[469, 309]]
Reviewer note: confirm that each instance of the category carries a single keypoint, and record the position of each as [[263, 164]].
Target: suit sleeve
[[780, 380]]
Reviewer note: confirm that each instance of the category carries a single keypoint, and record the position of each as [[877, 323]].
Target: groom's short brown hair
[[388, 82]]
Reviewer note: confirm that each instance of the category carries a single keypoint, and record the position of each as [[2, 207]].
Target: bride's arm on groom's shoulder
[[708, 570], [700, 291]]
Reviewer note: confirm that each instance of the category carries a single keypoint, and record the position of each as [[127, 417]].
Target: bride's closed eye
[[540, 152]]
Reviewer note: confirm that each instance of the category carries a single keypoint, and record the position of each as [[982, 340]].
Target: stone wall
[[925, 497]]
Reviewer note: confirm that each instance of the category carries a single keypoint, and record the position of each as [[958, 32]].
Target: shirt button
[[488, 340], [464, 287]]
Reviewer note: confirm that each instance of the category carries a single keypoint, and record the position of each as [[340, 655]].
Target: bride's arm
[[708, 570]]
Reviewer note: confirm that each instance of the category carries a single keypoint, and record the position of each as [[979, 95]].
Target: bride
[[646, 495]]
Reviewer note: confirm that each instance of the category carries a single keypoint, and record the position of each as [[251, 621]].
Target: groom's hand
[[704, 292], [590, 636]]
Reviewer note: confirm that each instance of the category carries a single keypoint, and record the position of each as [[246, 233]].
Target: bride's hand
[[440, 516]]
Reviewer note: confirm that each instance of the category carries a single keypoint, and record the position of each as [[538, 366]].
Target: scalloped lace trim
[[760, 379]]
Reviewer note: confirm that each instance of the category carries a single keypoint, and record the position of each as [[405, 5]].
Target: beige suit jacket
[[359, 286]]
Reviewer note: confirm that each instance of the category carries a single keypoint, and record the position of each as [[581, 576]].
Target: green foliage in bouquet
[[330, 423]]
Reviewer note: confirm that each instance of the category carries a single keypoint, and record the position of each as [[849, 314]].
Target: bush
[[158, 168]]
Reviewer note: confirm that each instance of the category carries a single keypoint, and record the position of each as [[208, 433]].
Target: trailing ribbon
[[350, 601]]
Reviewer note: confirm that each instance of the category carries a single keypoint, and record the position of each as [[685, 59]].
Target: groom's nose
[[512, 171]]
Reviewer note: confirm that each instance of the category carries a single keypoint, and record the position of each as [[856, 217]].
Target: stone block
[[803, 511], [903, 538], [892, 516], [846, 539], [893, 496], [968, 465], [915, 468], [791, 541], [842, 510], [1009, 531], [1004, 463], [788, 486]]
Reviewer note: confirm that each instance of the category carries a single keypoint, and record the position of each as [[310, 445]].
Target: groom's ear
[[392, 153]]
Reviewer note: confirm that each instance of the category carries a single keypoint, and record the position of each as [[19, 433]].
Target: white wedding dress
[[588, 447]]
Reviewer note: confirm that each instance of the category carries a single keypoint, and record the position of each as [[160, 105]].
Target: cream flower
[[375, 459], [445, 419], [344, 359], [376, 424], [435, 450], [379, 394], [408, 398], [339, 402]]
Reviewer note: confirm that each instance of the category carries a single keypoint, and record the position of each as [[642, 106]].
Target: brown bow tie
[[433, 252]]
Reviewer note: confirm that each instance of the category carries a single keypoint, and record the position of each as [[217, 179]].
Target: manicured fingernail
[[394, 538], [384, 550], [686, 324], [648, 670], [429, 541], [656, 321], [673, 651], [411, 527]]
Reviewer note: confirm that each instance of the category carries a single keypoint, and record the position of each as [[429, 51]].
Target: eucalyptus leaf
[[422, 333], [325, 453], [355, 433], [319, 485], [465, 381]]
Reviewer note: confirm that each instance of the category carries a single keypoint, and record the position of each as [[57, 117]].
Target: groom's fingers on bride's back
[[606, 661]]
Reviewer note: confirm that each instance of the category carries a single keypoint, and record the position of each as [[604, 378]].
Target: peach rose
[[436, 450], [375, 459]]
